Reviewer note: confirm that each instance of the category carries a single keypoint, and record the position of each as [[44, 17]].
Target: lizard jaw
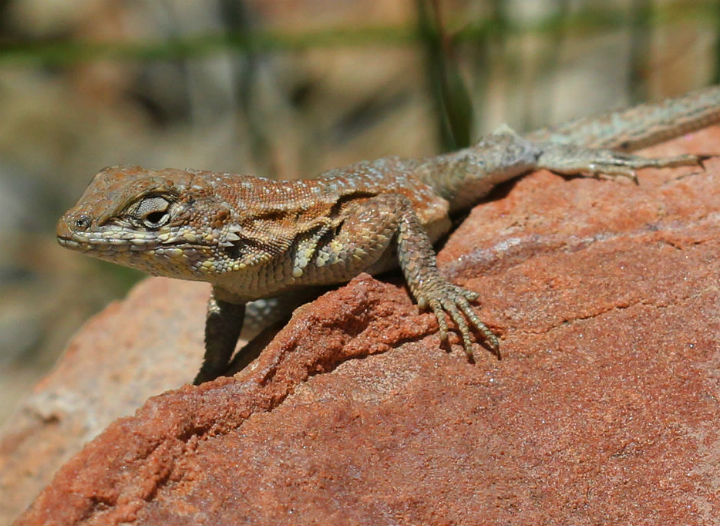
[[175, 259]]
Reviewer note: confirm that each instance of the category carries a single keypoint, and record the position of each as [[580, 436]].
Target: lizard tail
[[641, 125]]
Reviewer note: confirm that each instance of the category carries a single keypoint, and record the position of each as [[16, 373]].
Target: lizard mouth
[[104, 244], [67, 242], [116, 244], [74, 244]]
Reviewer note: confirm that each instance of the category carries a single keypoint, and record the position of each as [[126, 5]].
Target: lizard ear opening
[[153, 211]]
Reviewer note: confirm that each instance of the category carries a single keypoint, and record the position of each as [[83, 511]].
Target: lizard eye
[[82, 222], [153, 212]]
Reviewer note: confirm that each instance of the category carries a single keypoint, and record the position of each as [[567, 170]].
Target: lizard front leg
[[258, 321], [222, 329], [377, 221], [429, 287]]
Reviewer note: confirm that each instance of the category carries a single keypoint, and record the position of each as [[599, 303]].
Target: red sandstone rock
[[603, 409], [149, 343]]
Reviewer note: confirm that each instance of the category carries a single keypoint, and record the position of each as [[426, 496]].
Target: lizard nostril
[[82, 222]]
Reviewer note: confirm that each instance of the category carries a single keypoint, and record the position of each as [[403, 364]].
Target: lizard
[[253, 238]]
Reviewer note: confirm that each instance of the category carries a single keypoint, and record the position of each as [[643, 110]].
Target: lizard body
[[256, 238]]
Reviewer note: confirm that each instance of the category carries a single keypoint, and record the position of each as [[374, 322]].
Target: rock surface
[[603, 409], [147, 344]]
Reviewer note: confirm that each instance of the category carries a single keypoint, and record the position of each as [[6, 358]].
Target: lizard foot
[[446, 299], [570, 160]]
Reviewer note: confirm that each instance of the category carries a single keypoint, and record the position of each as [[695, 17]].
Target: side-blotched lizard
[[253, 238]]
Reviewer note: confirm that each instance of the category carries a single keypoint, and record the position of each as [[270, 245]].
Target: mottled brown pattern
[[253, 238]]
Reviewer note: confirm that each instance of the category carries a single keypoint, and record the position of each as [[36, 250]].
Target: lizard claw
[[451, 301], [704, 157], [612, 172]]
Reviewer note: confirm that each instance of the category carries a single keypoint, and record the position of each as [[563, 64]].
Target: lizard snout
[[62, 230]]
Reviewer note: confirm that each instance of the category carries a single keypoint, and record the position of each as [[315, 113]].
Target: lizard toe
[[440, 315], [451, 301]]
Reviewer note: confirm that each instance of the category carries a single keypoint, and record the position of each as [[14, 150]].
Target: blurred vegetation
[[283, 89], [590, 18]]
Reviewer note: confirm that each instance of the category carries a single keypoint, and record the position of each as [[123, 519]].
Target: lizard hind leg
[[257, 322], [571, 159]]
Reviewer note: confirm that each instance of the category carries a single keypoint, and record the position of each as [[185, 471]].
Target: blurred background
[[286, 89]]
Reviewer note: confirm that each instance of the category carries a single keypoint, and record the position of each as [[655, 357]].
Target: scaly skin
[[255, 238]]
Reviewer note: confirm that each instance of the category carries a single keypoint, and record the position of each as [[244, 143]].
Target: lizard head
[[166, 222]]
